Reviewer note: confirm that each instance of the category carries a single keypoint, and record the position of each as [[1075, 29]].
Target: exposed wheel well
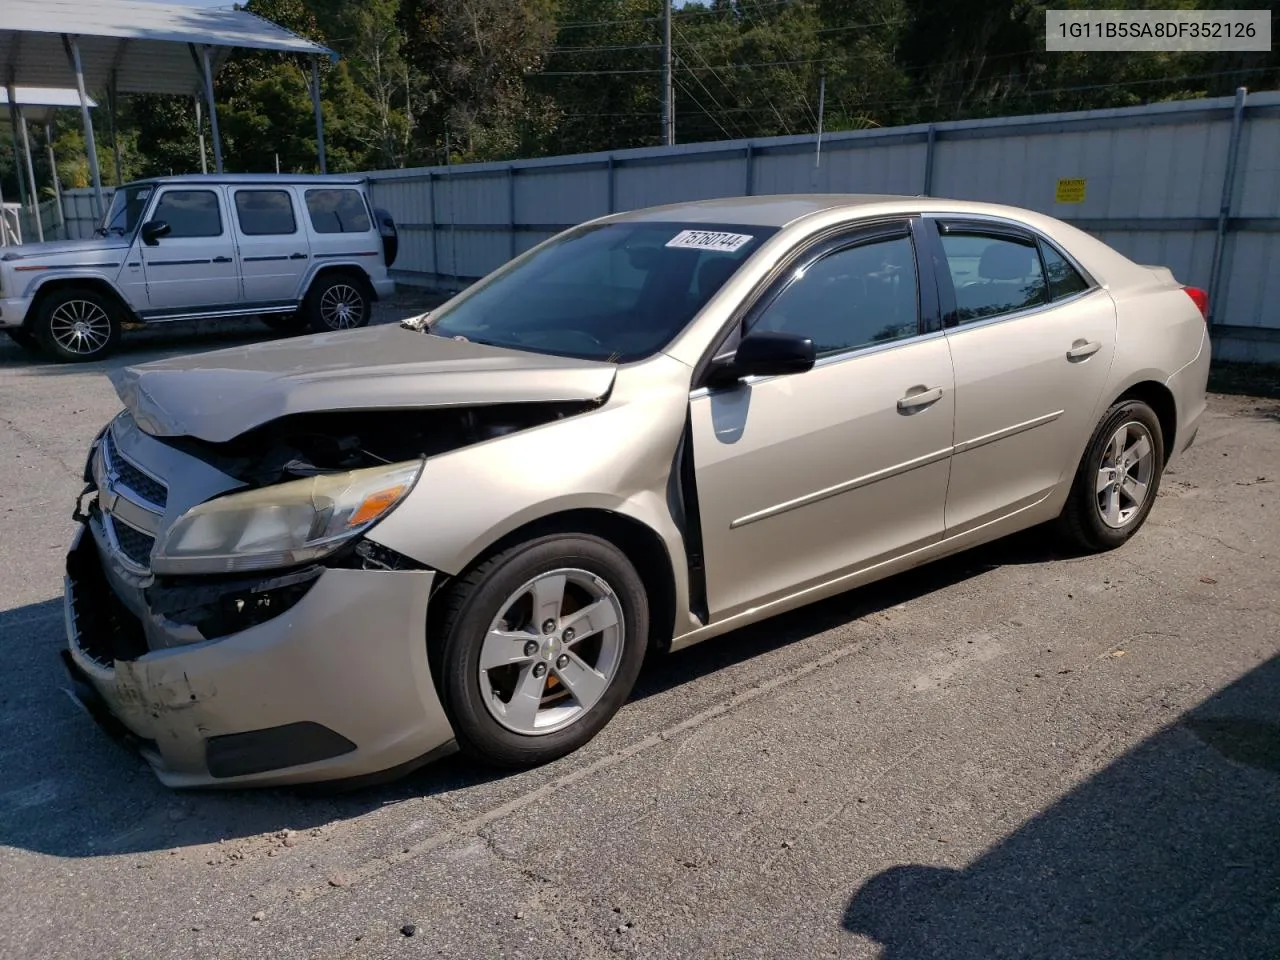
[[347, 270], [1160, 399], [124, 312], [641, 545]]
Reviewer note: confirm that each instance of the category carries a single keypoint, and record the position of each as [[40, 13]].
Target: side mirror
[[153, 230], [764, 354]]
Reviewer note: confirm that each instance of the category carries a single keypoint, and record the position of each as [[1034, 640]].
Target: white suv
[[299, 251]]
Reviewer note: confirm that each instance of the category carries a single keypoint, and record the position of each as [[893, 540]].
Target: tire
[[339, 301], [1098, 517], [489, 719], [77, 325], [285, 324], [25, 339]]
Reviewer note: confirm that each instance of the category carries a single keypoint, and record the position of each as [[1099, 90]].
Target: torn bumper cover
[[334, 687]]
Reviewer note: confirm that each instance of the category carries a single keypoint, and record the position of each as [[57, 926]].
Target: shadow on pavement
[[1172, 851]]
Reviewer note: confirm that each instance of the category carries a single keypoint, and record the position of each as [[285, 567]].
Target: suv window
[[338, 211], [993, 275], [851, 298], [1064, 279], [265, 212], [190, 213]]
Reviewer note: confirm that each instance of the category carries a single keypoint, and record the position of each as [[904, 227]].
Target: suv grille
[[133, 478], [134, 544]]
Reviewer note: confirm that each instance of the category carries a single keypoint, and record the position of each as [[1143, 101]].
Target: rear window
[[265, 212], [338, 211], [1064, 279]]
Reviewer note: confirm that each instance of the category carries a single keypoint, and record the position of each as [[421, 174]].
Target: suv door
[[274, 251], [192, 269], [1032, 339], [807, 477]]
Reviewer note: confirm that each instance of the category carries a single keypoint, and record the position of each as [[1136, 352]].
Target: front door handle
[[1083, 350], [221, 259], [919, 397]]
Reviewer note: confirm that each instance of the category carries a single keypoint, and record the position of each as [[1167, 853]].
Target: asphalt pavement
[[1010, 753]]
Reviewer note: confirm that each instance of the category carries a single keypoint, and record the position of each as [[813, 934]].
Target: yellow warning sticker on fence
[[1070, 190]]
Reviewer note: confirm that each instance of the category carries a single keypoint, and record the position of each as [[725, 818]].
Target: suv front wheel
[[338, 302], [77, 325]]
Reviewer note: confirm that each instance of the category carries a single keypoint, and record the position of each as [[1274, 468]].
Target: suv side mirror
[[764, 354], [153, 230]]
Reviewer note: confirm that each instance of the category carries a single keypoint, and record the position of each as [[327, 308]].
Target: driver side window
[[854, 297]]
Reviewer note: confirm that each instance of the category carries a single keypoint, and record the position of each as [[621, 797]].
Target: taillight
[[1200, 298]]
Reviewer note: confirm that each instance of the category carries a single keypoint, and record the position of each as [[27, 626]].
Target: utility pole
[[822, 103], [668, 92]]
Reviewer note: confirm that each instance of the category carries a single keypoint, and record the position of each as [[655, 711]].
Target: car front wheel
[[77, 325], [1117, 480], [538, 647]]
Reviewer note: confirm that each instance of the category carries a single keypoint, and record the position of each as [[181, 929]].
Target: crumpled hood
[[218, 396], [58, 249]]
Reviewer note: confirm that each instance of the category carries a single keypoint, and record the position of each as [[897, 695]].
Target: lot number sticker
[[709, 240], [1070, 190]]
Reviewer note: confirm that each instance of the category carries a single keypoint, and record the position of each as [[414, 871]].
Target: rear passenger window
[[265, 212], [190, 213], [338, 211], [1064, 279], [993, 275]]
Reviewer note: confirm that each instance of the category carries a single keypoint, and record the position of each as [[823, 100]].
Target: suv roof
[[310, 179]]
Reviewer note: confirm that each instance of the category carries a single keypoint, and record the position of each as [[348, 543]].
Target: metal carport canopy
[[137, 46]]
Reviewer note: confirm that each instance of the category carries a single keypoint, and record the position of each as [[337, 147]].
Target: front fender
[[618, 458]]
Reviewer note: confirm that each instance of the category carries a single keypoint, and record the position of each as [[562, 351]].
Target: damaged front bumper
[[334, 687]]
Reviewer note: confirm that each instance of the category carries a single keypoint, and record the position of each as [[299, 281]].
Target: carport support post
[[57, 187], [31, 176], [204, 157], [90, 144], [315, 103], [13, 122], [207, 68]]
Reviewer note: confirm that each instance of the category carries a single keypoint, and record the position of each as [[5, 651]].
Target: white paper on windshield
[[709, 240]]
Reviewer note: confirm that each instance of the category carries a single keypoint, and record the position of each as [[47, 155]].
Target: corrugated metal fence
[[1180, 184]]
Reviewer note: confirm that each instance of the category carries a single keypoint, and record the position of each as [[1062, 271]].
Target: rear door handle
[[298, 256], [918, 398], [221, 259], [1083, 349]]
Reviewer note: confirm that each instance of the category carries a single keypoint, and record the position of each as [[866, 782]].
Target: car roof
[[784, 209], [307, 179]]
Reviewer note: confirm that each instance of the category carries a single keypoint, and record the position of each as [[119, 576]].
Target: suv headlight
[[283, 525]]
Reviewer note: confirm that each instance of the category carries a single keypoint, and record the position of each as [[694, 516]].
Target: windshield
[[615, 292], [126, 210]]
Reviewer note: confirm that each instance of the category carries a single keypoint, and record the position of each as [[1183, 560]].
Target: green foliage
[[422, 81]]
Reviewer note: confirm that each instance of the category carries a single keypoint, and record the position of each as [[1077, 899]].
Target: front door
[[192, 268], [806, 477], [274, 251], [1032, 342]]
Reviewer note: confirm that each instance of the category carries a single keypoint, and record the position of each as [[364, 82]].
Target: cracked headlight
[[283, 525]]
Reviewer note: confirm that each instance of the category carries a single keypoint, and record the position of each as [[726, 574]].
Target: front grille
[[134, 544], [133, 478]]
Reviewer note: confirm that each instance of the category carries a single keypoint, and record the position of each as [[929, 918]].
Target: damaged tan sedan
[[338, 557]]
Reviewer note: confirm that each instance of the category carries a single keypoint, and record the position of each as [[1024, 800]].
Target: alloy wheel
[[552, 651], [342, 307], [1124, 476], [81, 327]]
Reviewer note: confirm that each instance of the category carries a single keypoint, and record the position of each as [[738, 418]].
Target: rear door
[[193, 268], [274, 250], [1032, 339]]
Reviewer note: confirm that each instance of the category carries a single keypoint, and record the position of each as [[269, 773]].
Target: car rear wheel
[[338, 302], [538, 647], [1118, 479], [77, 325]]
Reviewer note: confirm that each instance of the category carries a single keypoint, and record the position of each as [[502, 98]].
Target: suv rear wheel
[[77, 325], [339, 301]]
